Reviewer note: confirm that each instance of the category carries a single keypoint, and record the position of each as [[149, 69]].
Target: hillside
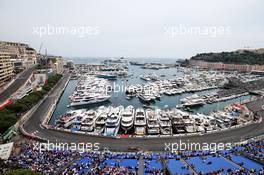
[[236, 57]]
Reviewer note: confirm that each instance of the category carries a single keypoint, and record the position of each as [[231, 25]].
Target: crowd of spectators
[[73, 163]]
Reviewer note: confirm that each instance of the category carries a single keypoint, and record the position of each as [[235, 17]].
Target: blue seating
[[247, 163], [128, 163], [176, 167], [152, 166], [83, 162], [216, 163]]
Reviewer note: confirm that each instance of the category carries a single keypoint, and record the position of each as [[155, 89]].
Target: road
[[123, 144], [19, 81]]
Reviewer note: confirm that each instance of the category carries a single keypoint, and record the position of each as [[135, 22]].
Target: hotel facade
[[6, 68], [21, 55]]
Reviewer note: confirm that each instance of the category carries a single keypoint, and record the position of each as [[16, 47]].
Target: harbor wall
[[228, 67]]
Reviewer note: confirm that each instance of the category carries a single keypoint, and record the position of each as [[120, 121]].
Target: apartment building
[[20, 53], [56, 63], [6, 68]]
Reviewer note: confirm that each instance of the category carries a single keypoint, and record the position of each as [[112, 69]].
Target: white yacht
[[205, 122], [207, 125], [152, 122], [102, 109], [100, 123], [68, 119], [146, 97], [178, 124], [165, 123], [84, 99], [90, 90], [140, 122], [127, 118], [193, 100], [189, 123], [88, 121], [113, 121]]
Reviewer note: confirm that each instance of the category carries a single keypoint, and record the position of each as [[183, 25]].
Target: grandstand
[[241, 159]]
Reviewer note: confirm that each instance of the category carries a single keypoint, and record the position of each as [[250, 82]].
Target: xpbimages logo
[[191, 146], [59, 146], [78, 31]]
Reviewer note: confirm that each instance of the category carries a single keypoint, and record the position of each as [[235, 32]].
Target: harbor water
[[119, 97]]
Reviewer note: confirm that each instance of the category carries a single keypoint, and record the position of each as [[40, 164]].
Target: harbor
[[121, 121], [150, 103]]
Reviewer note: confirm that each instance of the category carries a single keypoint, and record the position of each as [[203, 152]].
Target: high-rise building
[[19, 52], [6, 68]]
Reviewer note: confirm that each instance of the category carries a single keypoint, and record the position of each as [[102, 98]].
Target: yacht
[[205, 122], [207, 125], [146, 97], [113, 121], [107, 76], [178, 124], [75, 124], [84, 99], [189, 122], [101, 117], [165, 123], [88, 121], [186, 99], [127, 118], [102, 109], [157, 95], [140, 122], [89, 90], [68, 119], [152, 122], [100, 123], [145, 77], [194, 102]]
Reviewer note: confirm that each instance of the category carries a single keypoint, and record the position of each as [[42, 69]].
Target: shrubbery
[[246, 57], [12, 113]]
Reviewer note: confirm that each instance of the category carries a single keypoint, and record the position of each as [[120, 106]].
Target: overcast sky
[[134, 28]]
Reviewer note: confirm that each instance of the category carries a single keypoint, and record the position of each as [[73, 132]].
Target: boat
[[66, 120], [146, 97], [76, 123], [107, 76], [113, 121], [207, 125], [157, 95], [152, 122], [146, 78], [140, 122], [88, 122], [100, 123], [186, 99], [127, 118], [189, 123], [102, 109], [165, 123], [168, 92], [194, 102], [88, 99], [178, 124], [90, 90]]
